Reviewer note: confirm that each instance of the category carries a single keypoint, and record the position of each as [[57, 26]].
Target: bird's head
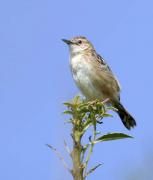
[[78, 44]]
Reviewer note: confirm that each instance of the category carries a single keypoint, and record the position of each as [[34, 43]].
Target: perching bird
[[94, 77]]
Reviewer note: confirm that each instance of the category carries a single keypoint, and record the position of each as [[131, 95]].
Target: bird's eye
[[79, 42]]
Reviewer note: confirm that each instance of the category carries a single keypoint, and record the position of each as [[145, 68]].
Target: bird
[[94, 77]]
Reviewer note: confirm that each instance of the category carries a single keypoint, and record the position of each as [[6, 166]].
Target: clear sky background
[[35, 80]]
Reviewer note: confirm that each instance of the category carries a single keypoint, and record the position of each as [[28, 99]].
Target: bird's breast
[[83, 72]]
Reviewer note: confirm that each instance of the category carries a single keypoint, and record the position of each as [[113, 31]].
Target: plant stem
[[91, 145], [78, 167]]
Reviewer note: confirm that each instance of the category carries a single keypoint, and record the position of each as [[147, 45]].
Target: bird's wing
[[104, 78], [105, 67], [103, 63]]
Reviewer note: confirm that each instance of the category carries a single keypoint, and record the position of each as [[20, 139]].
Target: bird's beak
[[67, 41]]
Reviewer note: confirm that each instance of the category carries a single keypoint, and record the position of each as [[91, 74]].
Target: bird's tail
[[128, 121]]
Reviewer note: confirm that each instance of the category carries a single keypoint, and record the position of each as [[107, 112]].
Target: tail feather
[[128, 121]]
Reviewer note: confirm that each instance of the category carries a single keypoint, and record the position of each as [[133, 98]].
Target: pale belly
[[82, 73]]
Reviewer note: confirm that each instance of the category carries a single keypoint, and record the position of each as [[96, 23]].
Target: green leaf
[[68, 121], [76, 100], [107, 115], [92, 170], [67, 112], [112, 108], [68, 104], [112, 136]]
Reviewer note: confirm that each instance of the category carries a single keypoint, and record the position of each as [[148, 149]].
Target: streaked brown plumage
[[94, 77]]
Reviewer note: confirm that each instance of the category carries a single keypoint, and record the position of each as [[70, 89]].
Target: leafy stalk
[[83, 116]]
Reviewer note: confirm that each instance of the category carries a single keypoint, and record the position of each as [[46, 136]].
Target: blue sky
[[35, 80]]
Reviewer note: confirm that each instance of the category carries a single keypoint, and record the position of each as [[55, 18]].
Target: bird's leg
[[105, 101]]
